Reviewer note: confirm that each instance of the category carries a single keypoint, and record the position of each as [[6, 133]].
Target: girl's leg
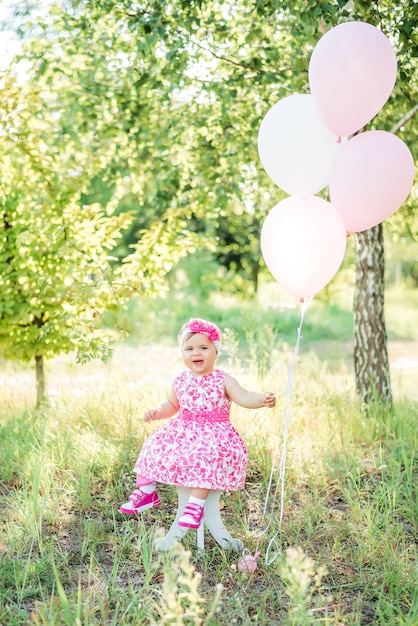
[[193, 513], [199, 493], [149, 488]]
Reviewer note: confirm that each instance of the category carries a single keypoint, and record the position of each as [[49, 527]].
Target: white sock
[[199, 501], [150, 488]]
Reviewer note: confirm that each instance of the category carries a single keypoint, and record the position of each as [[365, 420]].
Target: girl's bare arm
[[245, 398], [166, 409]]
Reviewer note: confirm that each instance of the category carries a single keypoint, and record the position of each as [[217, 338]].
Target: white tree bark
[[371, 362]]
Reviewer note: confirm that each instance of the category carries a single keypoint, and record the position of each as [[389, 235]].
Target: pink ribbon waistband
[[204, 416]]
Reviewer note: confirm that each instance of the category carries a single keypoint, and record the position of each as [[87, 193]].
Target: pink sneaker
[[192, 516], [140, 501]]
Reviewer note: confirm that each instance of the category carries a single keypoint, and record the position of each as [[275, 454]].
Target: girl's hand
[[269, 400], [152, 414], [166, 409]]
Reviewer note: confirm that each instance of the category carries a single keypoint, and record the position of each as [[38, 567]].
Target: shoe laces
[[137, 496], [194, 510]]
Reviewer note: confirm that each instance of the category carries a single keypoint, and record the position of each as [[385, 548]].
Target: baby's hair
[[182, 338]]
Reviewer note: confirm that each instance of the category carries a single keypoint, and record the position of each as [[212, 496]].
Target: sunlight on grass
[[345, 554]]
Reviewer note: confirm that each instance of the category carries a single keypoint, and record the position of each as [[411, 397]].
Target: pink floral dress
[[199, 447]]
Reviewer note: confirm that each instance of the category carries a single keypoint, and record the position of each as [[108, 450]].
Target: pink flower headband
[[197, 325]]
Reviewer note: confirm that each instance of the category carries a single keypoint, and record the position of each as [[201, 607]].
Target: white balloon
[[296, 147]]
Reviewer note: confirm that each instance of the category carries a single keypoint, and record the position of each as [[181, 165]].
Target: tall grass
[[345, 554]]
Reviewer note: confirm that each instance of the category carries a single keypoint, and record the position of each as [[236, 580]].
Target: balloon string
[[282, 437]]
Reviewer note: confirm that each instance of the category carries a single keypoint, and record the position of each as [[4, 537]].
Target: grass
[[346, 553]]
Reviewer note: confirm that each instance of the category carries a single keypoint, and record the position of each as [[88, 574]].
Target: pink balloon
[[248, 562], [371, 177], [303, 242], [352, 72]]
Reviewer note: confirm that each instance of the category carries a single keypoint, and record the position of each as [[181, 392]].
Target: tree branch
[[405, 119], [233, 62]]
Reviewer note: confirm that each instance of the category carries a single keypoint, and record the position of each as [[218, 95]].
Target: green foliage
[[208, 74], [302, 579], [180, 601], [146, 320], [143, 119], [55, 272]]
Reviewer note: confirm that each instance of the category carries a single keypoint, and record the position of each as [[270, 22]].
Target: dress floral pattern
[[199, 447]]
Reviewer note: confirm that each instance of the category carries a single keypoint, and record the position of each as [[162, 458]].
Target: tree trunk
[[40, 380], [371, 363]]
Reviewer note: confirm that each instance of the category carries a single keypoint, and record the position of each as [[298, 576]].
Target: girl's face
[[199, 354]]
